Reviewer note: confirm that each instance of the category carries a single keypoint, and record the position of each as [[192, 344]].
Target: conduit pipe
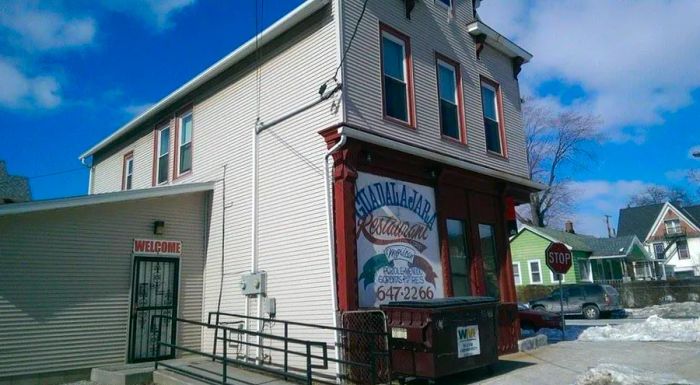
[[331, 245], [259, 128]]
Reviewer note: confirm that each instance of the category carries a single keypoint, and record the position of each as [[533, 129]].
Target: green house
[[601, 260]]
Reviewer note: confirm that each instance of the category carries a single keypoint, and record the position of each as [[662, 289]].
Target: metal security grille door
[[154, 292]]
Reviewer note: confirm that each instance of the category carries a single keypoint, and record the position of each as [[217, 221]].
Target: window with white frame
[[492, 119], [163, 159], [516, 273], [673, 226], [659, 251], [128, 171], [395, 76], [185, 143], [535, 271], [683, 252], [555, 277], [584, 270], [448, 93]]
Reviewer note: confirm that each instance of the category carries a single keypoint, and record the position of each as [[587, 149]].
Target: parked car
[[537, 319], [589, 299]]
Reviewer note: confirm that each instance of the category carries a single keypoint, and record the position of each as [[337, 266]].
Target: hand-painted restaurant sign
[[157, 247], [398, 255]]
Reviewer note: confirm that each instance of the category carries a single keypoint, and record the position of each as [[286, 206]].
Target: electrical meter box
[[254, 283]]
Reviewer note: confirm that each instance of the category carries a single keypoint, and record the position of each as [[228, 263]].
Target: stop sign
[[558, 258]]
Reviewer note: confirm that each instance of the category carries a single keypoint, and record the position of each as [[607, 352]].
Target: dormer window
[[673, 226]]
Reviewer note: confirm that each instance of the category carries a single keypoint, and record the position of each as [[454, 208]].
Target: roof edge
[[112, 197], [282, 25], [498, 41]]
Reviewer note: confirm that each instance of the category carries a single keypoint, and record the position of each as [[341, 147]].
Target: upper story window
[[128, 171], [659, 250], [163, 156], [683, 250], [493, 124], [446, 3], [673, 226], [396, 75], [184, 161], [449, 93]]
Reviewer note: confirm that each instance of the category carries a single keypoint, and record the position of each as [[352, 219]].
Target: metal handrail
[[225, 360]]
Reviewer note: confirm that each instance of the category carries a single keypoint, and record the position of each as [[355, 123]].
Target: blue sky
[[74, 71]]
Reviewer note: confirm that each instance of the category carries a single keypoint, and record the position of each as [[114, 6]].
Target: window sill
[[496, 155], [183, 175], [453, 141], [399, 122]]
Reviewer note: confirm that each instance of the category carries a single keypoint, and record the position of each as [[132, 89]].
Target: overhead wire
[[352, 38]]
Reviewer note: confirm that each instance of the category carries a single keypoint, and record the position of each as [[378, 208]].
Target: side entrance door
[[154, 292]]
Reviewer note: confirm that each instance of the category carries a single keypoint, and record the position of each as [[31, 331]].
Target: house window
[[555, 277], [487, 236], [516, 273], [128, 171], [163, 155], [185, 143], [673, 226], [459, 257], [490, 103], [396, 75], [659, 251], [449, 85], [683, 250], [584, 270], [535, 271], [446, 3]]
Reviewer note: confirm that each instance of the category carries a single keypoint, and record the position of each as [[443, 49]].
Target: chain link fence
[[368, 345]]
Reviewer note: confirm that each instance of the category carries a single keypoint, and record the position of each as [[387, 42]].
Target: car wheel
[[538, 308], [591, 312]]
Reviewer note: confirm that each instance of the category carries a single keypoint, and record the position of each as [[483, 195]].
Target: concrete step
[[130, 374]]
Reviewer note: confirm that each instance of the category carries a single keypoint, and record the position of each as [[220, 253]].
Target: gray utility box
[[254, 283]]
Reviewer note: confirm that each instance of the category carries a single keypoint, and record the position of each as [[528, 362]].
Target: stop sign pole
[[558, 258]]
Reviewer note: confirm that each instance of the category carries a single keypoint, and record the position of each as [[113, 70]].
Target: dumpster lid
[[443, 302]]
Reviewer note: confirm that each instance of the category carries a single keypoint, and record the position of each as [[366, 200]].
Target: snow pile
[[608, 374], [669, 310], [653, 328]]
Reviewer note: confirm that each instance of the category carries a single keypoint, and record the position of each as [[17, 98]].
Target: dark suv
[[587, 299]]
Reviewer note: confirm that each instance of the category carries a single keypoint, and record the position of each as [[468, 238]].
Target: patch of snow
[[653, 328], [609, 374], [669, 310]]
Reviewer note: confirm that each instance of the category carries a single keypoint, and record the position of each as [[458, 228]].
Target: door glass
[[487, 235], [459, 259]]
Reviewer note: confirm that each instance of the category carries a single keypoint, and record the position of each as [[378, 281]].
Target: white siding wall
[[108, 173], [65, 280], [430, 30], [293, 247]]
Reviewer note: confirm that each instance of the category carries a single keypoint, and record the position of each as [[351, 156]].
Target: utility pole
[[607, 224]]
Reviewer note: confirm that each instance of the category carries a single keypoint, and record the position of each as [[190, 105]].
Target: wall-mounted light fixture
[[158, 227]]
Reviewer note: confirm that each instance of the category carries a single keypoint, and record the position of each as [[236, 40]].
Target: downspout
[[91, 175], [328, 189]]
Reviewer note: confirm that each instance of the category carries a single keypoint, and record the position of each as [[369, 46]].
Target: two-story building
[[356, 152], [671, 235]]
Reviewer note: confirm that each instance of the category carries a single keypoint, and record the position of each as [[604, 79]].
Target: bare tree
[[659, 194], [555, 141]]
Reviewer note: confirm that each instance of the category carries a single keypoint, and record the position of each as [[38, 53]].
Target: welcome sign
[[398, 256]]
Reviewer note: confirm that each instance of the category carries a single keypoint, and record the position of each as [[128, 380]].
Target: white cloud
[[597, 198], [157, 13], [635, 60], [20, 90], [136, 109], [43, 29]]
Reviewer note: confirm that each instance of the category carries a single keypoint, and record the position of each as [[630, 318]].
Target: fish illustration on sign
[[370, 268]]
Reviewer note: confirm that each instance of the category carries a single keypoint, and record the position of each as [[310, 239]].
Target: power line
[[56, 173], [352, 38]]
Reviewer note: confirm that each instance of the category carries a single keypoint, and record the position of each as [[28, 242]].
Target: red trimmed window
[[128, 171], [450, 99], [397, 81], [162, 154], [184, 143], [493, 116]]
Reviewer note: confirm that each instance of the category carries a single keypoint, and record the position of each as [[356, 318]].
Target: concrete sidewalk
[[562, 363]]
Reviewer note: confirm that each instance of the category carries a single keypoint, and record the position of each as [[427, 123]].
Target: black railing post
[[308, 363], [216, 333], [225, 361], [286, 349]]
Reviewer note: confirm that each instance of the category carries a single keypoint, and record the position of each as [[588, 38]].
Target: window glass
[[459, 258], [516, 274], [584, 270], [444, 2], [683, 250], [593, 290], [128, 172], [659, 249], [535, 273], [449, 108], [575, 292], [489, 103], [395, 85], [488, 97], [185, 161], [163, 155], [488, 251]]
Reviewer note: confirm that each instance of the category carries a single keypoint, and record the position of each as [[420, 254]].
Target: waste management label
[[468, 341]]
